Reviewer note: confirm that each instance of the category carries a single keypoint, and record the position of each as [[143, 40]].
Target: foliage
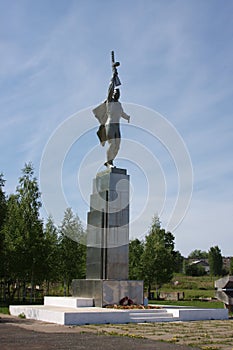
[[72, 252], [194, 270], [30, 253], [158, 256], [31, 226], [3, 208], [178, 261], [215, 261], [13, 259], [23, 233], [136, 248], [198, 254], [51, 253], [2, 201]]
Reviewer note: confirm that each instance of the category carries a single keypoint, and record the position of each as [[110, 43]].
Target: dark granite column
[[108, 226]]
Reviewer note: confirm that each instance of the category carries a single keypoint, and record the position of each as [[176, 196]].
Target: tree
[[198, 254], [178, 261], [13, 256], [3, 209], [32, 229], [158, 256], [194, 270], [215, 261], [136, 248], [2, 201], [72, 252], [24, 258], [51, 253]]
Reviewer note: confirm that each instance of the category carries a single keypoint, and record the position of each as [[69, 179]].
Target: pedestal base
[[108, 292]]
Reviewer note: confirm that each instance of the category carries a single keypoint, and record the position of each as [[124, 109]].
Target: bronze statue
[[109, 113]]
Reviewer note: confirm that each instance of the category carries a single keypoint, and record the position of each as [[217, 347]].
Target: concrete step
[[150, 316], [70, 302]]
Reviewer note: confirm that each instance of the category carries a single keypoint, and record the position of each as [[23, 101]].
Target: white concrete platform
[[76, 315], [72, 302]]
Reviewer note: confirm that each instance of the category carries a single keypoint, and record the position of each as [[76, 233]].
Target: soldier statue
[[109, 114]]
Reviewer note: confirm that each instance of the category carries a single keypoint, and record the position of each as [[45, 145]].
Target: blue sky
[[176, 66]]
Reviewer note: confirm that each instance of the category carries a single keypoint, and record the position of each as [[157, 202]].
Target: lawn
[[190, 303], [4, 310], [183, 282], [194, 288]]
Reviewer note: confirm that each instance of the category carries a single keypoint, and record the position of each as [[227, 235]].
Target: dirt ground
[[16, 333]]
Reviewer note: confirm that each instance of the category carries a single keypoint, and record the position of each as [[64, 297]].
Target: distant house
[[203, 263]]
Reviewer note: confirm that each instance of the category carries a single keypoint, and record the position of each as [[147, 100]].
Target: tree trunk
[[64, 287], [157, 293], [24, 291], [31, 293], [18, 289], [47, 288], [149, 290], [4, 291], [32, 289], [9, 290]]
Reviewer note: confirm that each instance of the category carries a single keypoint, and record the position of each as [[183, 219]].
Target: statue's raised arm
[[115, 81]]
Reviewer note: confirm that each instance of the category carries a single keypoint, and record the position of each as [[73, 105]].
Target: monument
[[107, 280], [108, 219]]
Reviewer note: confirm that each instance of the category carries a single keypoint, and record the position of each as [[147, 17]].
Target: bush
[[195, 270]]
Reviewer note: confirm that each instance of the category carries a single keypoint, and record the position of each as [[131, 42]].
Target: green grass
[[193, 288], [194, 303], [197, 293], [191, 283], [4, 310]]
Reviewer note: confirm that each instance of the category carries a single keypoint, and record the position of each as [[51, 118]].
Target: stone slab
[[72, 302], [108, 292]]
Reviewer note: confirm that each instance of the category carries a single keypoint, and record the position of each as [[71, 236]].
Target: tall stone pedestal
[[108, 242]]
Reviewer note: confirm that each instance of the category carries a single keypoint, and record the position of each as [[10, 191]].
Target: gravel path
[[16, 333]]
